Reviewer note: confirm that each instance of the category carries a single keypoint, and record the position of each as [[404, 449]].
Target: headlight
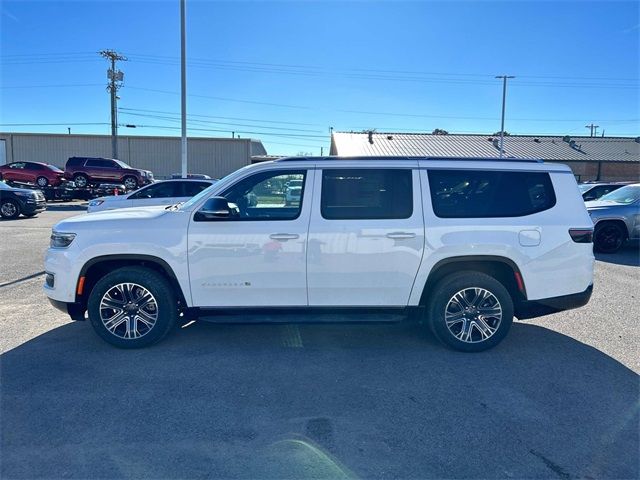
[[61, 240], [95, 203], [143, 173]]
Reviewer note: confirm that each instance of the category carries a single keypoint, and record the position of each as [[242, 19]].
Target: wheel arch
[[616, 220], [503, 269], [97, 267]]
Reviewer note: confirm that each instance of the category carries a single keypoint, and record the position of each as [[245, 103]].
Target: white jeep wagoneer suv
[[466, 243]]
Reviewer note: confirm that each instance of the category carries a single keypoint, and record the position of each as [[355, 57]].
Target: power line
[[177, 118], [261, 120], [53, 86]]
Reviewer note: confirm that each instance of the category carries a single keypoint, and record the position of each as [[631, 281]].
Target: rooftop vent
[[537, 140], [370, 137], [490, 139], [389, 137], [637, 140], [566, 138]]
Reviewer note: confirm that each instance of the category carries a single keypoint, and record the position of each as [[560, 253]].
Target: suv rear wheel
[[470, 311], [80, 180], [132, 307], [130, 183]]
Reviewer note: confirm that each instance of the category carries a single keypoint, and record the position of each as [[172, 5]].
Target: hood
[[99, 219], [113, 198], [597, 204]]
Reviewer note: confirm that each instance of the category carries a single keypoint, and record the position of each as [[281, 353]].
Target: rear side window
[[486, 194], [75, 161], [349, 194], [192, 188]]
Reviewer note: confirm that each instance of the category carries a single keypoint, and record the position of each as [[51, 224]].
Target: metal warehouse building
[[590, 158], [212, 156]]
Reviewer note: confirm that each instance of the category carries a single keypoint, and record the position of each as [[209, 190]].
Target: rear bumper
[[74, 310], [547, 306]]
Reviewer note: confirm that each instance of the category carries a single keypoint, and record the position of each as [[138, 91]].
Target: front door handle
[[284, 236], [401, 235]]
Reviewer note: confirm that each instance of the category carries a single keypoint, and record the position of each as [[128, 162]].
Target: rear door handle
[[284, 236], [401, 235]]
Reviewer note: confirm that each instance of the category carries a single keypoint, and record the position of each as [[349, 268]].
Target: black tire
[[164, 297], [42, 181], [9, 209], [608, 237], [81, 180], [443, 294], [130, 183]]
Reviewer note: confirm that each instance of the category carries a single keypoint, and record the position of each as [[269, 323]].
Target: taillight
[[581, 235]]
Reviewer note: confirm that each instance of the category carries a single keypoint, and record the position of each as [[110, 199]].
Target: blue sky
[[284, 72]]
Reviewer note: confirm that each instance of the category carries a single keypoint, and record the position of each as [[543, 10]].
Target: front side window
[[350, 194], [487, 194], [268, 195]]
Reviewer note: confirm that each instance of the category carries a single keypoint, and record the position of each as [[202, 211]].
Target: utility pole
[[504, 99], [115, 82], [183, 87], [594, 129]]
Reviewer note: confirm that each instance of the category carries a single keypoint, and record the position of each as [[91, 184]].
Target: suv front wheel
[[132, 307], [130, 183], [470, 311]]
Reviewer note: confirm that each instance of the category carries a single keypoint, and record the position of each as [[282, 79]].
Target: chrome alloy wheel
[[128, 310], [473, 315], [130, 183], [8, 209]]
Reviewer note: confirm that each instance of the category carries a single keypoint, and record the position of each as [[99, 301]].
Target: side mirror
[[217, 208]]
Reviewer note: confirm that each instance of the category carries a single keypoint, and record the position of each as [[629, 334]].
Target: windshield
[[584, 188], [54, 168], [4, 186], [624, 195], [122, 164]]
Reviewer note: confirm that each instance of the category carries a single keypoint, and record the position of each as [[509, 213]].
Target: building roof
[[547, 148]]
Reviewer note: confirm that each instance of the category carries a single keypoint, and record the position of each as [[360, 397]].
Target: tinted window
[[158, 190], [189, 189], [18, 165], [478, 194], [263, 196], [35, 166], [349, 194], [95, 162]]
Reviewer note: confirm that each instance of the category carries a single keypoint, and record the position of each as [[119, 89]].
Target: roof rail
[[460, 159]]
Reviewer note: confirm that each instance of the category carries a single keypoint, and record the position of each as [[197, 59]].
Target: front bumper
[[74, 310], [29, 207], [547, 306]]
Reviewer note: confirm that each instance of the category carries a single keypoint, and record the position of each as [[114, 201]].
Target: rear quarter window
[[489, 194]]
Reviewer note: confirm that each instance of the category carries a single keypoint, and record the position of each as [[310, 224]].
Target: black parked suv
[[85, 171], [16, 201]]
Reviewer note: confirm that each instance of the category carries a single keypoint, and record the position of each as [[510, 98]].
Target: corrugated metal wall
[[212, 156]]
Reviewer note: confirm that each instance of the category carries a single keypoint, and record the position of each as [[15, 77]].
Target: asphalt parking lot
[[559, 398]]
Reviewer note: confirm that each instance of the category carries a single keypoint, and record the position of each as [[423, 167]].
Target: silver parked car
[[616, 217]]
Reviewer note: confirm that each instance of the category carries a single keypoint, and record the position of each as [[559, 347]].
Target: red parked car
[[41, 174]]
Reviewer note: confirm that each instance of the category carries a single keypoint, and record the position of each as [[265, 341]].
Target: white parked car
[[167, 192], [465, 244]]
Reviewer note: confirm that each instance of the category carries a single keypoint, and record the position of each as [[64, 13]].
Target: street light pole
[[183, 88], [504, 98]]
